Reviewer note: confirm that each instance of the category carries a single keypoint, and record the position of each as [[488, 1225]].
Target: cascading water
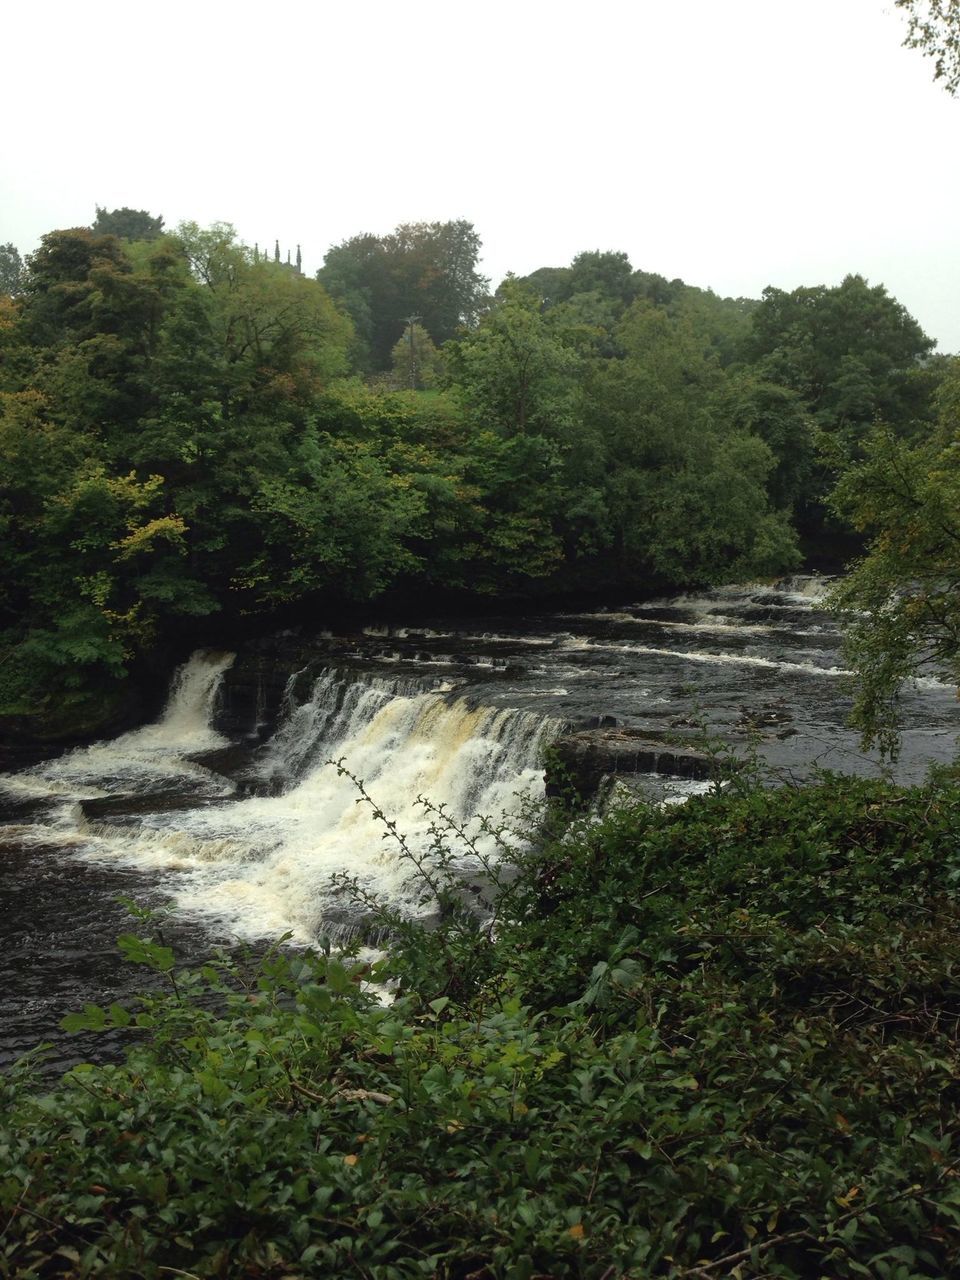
[[243, 835], [262, 866], [153, 756]]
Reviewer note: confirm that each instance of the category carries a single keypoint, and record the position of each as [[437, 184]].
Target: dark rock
[[27, 739], [770, 716], [580, 761], [134, 804], [239, 765], [16, 809], [600, 722], [251, 694]]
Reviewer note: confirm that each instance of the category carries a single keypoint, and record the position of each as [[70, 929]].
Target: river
[[228, 810]]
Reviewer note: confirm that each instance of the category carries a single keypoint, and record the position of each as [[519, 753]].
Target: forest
[[194, 437]]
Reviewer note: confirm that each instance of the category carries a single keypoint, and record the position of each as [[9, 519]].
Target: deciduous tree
[[128, 224], [11, 269], [934, 29], [902, 599]]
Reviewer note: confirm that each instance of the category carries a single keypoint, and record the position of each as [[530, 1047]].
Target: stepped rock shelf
[[584, 759]]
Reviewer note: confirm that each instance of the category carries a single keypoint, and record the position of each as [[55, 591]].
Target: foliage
[[902, 600], [415, 359], [128, 224], [424, 270], [934, 28], [11, 269], [848, 351], [713, 1041], [685, 489]]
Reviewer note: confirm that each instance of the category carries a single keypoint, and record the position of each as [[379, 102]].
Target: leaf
[[93, 1018], [685, 1082], [141, 951]]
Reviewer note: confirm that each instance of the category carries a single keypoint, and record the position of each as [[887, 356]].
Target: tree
[[513, 373], [853, 356], [11, 270], [847, 350], [684, 485], [427, 269], [128, 224], [934, 29], [902, 599], [415, 359]]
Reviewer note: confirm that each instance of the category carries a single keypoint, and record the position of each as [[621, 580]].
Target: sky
[[734, 144]]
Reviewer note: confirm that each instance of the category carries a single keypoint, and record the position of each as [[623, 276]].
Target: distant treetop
[[935, 29], [11, 269], [128, 224]]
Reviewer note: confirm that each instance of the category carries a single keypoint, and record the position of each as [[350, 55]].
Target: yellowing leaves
[[145, 537]]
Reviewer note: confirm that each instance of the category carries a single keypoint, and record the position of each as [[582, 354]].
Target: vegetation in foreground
[[715, 1041]]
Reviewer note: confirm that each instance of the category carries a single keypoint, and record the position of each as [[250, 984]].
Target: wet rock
[[770, 716], [16, 809], [581, 761], [251, 695], [239, 764], [135, 804]]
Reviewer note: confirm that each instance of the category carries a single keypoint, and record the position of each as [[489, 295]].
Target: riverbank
[[722, 1036]]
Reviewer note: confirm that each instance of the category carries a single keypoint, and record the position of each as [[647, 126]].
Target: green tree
[[854, 356], [780, 419], [849, 351], [427, 269], [513, 372], [934, 29], [11, 270], [902, 599], [127, 224], [415, 359], [684, 486]]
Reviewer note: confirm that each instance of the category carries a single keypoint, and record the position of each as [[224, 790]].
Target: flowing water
[[229, 809]]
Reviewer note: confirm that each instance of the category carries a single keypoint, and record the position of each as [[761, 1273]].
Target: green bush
[[715, 1041]]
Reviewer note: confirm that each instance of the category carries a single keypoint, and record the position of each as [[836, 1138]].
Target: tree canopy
[[903, 596], [934, 29], [128, 224], [190, 430], [11, 269], [423, 272]]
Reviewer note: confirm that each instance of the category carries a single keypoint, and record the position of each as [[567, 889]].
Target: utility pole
[[411, 321]]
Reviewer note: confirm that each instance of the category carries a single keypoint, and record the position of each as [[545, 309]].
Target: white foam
[[718, 659], [262, 866], [144, 758]]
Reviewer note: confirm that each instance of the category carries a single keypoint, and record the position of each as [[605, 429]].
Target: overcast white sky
[[733, 143]]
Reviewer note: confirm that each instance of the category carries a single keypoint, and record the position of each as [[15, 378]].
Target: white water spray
[[262, 866]]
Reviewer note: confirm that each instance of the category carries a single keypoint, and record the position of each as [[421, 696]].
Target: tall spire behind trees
[[276, 250]]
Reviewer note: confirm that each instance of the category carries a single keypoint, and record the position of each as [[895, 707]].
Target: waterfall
[[262, 866], [144, 759]]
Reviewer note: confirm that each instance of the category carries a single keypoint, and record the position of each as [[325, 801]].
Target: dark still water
[[227, 809]]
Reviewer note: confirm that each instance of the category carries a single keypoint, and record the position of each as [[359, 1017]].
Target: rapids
[[229, 810]]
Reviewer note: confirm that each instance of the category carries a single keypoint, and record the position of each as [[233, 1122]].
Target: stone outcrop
[[580, 761]]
